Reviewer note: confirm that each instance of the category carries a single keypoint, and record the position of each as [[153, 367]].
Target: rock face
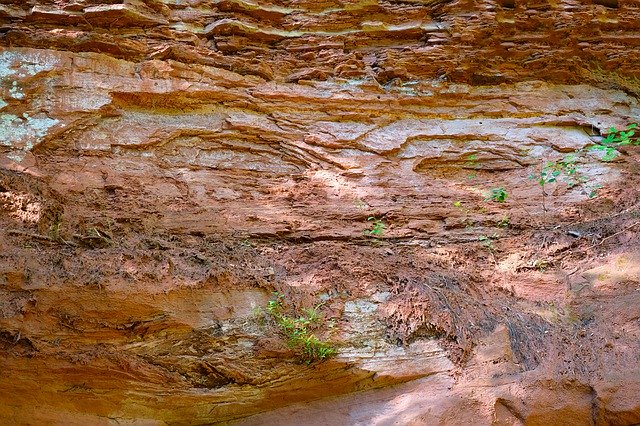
[[165, 165]]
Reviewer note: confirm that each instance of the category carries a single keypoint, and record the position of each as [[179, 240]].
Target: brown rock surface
[[166, 164]]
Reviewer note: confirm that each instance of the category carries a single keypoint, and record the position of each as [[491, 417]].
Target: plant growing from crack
[[487, 242], [615, 139], [551, 171], [472, 163], [299, 330], [499, 195], [377, 227], [567, 167], [468, 222], [567, 170], [503, 222], [544, 177]]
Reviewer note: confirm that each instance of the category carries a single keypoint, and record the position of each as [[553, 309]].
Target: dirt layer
[[548, 311]]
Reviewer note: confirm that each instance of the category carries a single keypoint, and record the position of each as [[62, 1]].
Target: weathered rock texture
[[166, 164]]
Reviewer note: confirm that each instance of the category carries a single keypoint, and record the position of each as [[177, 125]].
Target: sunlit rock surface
[[166, 165]]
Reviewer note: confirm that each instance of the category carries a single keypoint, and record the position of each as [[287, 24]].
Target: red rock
[[166, 166]]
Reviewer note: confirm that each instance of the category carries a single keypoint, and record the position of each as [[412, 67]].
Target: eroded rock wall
[[166, 165]]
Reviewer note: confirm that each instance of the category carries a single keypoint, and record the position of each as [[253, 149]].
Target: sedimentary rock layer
[[166, 165]]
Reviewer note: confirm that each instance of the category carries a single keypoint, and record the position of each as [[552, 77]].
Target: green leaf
[[610, 154]]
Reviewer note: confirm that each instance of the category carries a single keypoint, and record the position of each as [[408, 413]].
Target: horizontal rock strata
[[165, 166]]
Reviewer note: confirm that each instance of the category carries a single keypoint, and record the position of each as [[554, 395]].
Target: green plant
[[503, 222], [487, 241], [567, 170], [552, 170], [499, 195], [593, 192], [567, 167], [245, 242], [299, 330], [615, 139], [471, 163], [468, 222], [377, 227], [544, 177]]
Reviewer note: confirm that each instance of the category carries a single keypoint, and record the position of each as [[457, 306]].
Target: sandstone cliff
[[166, 165]]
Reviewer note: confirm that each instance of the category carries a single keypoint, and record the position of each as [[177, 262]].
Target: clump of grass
[[299, 330]]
